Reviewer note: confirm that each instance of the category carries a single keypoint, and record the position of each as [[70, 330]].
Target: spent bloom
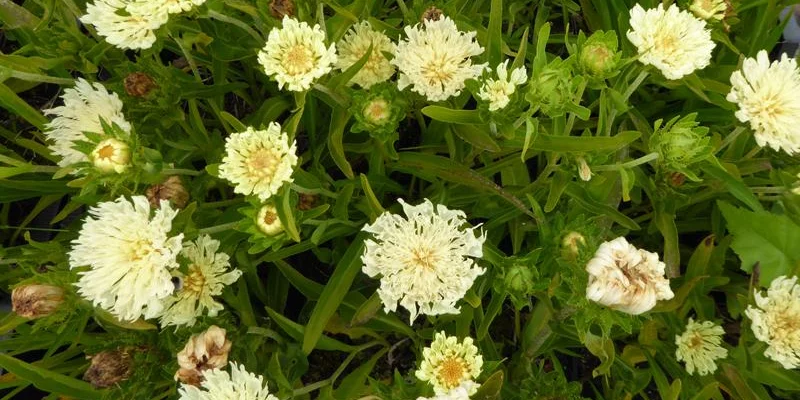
[[498, 91], [259, 162], [295, 55], [699, 346], [424, 259], [84, 106], [449, 365], [435, 60], [219, 385], [766, 95], [355, 44], [776, 321], [709, 9], [674, 41], [206, 350], [36, 300], [625, 278], [129, 254], [109, 367], [207, 275]]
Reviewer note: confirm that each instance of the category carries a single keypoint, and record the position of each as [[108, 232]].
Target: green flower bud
[[681, 143], [571, 244], [599, 57], [552, 88], [709, 9], [378, 111], [519, 279]]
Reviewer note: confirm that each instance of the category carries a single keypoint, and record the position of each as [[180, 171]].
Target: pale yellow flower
[[699, 346]]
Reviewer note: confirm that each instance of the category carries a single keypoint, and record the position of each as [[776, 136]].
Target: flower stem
[[217, 228], [181, 171]]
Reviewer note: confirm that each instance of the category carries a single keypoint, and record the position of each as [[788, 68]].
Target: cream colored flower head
[[709, 9], [461, 392], [259, 162], [206, 350], [776, 321], [295, 55], [699, 346], [449, 365], [130, 256], [498, 91], [219, 385], [425, 259], [208, 274], [355, 44], [125, 24], [267, 220], [625, 278], [149, 7], [674, 41], [84, 106], [111, 155], [436, 59], [766, 94]]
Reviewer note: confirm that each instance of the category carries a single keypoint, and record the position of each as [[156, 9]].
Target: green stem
[[181, 171], [630, 164], [217, 228]]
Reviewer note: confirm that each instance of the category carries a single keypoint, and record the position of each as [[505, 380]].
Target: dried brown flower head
[[281, 8], [432, 13], [109, 367], [171, 189], [206, 350], [139, 84], [36, 301]]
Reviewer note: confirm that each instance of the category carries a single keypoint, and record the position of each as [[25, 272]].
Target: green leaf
[[297, 332], [341, 79], [495, 41], [490, 389], [582, 144], [733, 186], [352, 385], [15, 16], [602, 348], [286, 214], [49, 381], [339, 119], [771, 374], [764, 238], [10, 101], [237, 125], [444, 114], [334, 292], [477, 136]]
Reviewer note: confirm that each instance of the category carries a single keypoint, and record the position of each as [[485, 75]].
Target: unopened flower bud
[[268, 221], [584, 171], [171, 189], [432, 13], [111, 155], [572, 242], [281, 8], [519, 279], [206, 350], [377, 111], [307, 201], [551, 88], [36, 301], [109, 368], [680, 143], [139, 84], [676, 179], [709, 9]]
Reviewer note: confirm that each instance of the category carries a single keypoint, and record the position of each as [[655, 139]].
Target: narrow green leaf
[[237, 125], [342, 79], [581, 197], [490, 389], [580, 144], [339, 120], [733, 185], [10, 101], [352, 385], [286, 215], [49, 381], [444, 114], [297, 332], [478, 136], [495, 42], [372, 201]]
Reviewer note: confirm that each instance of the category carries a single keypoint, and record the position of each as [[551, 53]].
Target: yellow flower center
[[140, 249], [270, 217], [439, 71], [451, 371], [423, 257], [106, 152], [298, 60], [194, 281], [263, 163], [377, 111]]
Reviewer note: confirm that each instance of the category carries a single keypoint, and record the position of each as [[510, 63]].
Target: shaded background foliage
[[303, 315]]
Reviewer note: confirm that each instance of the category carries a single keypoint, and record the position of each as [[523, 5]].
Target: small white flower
[[206, 277], [625, 278], [259, 162], [124, 24], [295, 55], [355, 44], [436, 60], [84, 106], [450, 366], [776, 321], [149, 7], [498, 91], [700, 346], [674, 41], [708, 9], [111, 155], [461, 392], [424, 260], [129, 255], [218, 385], [206, 350], [267, 220], [766, 94]]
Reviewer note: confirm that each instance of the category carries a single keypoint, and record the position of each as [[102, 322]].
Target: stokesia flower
[[450, 366], [436, 60], [206, 277], [84, 106], [259, 162], [206, 350], [219, 385], [129, 255], [674, 41], [767, 98], [424, 260], [498, 91], [355, 44], [295, 55], [148, 7], [111, 155], [625, 278], [700, 346], [776, 321], [124, 23]]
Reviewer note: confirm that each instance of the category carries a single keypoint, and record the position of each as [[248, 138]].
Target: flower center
[[263, 163], [437, 71], [270, 217], [423, 257], [451, 371], [141, 249], [298, 60], [377, 111], [667, 43], [696, 341], [194, 282], [105, 152]]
